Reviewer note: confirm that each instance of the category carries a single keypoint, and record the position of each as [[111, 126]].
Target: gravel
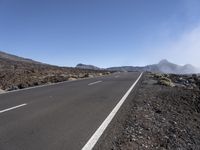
[[157, 117]]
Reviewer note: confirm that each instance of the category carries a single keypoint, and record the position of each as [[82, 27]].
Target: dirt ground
[[18, 75], [157, 117]]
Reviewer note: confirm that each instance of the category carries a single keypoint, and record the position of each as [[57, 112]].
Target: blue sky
[[101, 32]]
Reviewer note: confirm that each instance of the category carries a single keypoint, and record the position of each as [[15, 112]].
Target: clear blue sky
[[101, 32]]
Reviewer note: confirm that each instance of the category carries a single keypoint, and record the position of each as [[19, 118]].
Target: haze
[[103, 33]]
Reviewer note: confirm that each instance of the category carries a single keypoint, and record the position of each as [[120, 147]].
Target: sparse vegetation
[[18, 73]]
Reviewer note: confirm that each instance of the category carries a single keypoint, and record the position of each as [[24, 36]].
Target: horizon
[[106, 67], [102, 33]]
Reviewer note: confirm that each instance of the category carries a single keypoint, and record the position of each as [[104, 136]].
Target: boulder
[[91, 76], [81, 75], [157, 75], [2, 91], [22, 85], [11, 88], [72, 79]]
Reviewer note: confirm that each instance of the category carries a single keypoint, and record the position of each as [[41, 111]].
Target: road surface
[[61, 116]]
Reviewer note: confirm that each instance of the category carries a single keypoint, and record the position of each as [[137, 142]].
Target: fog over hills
[[164, 66], [168, 67]]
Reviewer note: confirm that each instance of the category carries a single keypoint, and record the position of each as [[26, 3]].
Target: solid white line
[[15, 107], [94, 82], [95, 137]]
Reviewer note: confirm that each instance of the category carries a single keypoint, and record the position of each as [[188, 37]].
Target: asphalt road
[[62, 116]]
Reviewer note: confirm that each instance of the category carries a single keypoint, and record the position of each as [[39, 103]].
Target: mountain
[[9, 57], [10, 62], [84, 66], [164, 66], [168, 67]]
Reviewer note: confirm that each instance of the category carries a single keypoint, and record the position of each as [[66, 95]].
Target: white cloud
[[187, 48]]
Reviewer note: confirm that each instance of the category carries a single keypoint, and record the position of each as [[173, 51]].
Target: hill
[[9, 57], [18, 72], [84, 66], [164, 66]]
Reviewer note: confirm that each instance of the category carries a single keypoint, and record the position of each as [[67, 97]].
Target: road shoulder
[[157, 117]]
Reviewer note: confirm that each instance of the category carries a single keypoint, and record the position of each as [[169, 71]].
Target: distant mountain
[[164, 66], [9, 57], [84, 66], [168, 67], [10, 62]]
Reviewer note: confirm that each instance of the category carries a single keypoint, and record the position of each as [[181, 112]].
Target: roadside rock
[[12, 87], [2, 91], [186, 81], [22, 85], [72, 79], [91, 76]]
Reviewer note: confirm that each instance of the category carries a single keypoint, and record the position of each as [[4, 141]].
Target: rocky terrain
[[164, 114], [18, 73]]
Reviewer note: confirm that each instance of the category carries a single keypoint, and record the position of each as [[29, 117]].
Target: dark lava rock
[[11, 88]]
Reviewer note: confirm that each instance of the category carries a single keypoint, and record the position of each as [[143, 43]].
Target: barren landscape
[[19, 73], [100, 75], [164, 114]]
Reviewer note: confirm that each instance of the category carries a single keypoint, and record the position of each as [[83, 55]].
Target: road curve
[[61, 116]]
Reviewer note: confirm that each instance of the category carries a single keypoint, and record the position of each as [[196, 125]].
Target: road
[[61, 116]]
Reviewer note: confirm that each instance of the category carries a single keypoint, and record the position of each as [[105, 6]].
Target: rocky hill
[[18, 73], [9, 57], [168, 67]]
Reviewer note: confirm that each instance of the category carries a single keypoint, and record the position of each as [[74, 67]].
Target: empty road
[[61, 116]]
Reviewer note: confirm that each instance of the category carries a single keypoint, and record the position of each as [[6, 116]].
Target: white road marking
[[94, 82], [15, 107], [95, 137], [116, 76], [51, 84]]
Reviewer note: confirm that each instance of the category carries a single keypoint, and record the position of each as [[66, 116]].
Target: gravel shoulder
[[157, 116]]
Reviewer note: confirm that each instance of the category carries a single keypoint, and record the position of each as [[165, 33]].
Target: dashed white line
[[116, 76], [95, 137], [11, 108], [94, 82]]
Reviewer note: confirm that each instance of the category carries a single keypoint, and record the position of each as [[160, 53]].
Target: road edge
[[99, 132]]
